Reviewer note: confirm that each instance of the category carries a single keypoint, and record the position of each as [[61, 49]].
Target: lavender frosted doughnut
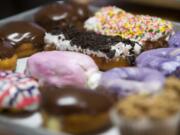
[[127, 81], [174, 41], [165, 60]]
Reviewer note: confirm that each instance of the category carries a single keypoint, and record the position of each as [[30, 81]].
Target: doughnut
[[151, 32], [25, 37], [174, 40], [8, 58], [122, 82], [62, 14], [149, 114], [165, 60], [107, 52], [19, 99], [69, 109], [18, 92], [61, 68]]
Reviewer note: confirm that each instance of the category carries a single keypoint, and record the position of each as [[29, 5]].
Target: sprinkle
[[113, 21]]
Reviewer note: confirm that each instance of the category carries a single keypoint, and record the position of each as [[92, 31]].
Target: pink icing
[[61, 68]]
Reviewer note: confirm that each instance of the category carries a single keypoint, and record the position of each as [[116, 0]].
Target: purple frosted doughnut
[[174, 41], [127, 81], [165, 60]]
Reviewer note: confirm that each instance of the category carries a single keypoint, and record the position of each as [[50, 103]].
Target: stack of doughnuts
[[85, 73]]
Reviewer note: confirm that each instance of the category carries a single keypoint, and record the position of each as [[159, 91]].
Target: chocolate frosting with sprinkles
[[6, 49], [20, 32], [94, 42], [68, 100]]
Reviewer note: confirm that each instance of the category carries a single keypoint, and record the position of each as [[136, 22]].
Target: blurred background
[[169, 9]]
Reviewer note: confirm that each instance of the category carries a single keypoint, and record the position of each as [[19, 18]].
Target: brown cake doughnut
[[8, 57], [25, 37], [62, 14], [75, 111]]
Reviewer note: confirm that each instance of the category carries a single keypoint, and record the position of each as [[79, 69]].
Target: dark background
[[12, 7]]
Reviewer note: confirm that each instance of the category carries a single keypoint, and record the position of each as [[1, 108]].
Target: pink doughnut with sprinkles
[[152, 32], [18, 92]]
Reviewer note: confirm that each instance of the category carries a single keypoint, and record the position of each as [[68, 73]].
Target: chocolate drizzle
[[6, 49], [67, 101], [23, 32], [62, 14], [93, 41]]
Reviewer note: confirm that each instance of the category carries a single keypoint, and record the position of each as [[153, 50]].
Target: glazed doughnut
[[151, 32], [166, 60], [123, 82], [61, 68], [62, 14], [107, 52], [69, 109], [25, 37], [19, 99], [174, 40], [8, 58]]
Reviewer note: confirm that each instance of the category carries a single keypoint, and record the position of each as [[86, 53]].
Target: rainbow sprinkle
[[114, 21]]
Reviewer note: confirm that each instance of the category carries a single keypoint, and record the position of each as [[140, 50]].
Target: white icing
[[62, 44], [56, 18], [15, 36], [93, 80], [92, 24]]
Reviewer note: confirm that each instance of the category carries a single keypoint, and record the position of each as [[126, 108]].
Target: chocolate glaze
[[67, 101], [95, 42], [18, 114], [6, 49], [20, 32], [62, 14]]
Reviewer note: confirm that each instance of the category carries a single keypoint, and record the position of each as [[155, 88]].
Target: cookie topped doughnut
[[62, 14], [25, 37], [100, 47], [144, 29], [18, 93]]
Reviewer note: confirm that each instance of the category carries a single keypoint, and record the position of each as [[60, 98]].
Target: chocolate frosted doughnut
[[127, 81], [8, 57], [71, 108], [165, 60], [62, 14], [25, 37], [174, 41]]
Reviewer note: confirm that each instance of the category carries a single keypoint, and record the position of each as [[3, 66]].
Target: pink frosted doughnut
[[61, 68]]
